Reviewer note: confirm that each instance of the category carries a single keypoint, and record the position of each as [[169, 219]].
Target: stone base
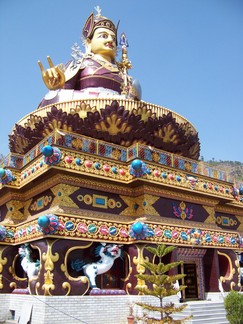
[[97, 292]]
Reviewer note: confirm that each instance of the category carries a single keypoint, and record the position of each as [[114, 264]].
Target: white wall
[[72, 309]]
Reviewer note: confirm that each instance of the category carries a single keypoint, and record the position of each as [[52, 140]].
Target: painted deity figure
[[95, 73]]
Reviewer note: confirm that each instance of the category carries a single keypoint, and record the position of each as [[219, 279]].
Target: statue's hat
[[98, 21]]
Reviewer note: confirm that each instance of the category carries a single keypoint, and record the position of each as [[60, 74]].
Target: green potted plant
[[233, 304]]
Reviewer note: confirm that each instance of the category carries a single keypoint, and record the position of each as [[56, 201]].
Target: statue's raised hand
[[53, 77]]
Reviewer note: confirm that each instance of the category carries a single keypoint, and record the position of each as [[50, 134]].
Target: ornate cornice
[[159, 175], [92, 228]]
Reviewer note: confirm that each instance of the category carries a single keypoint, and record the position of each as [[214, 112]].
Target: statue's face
[[103, 42]]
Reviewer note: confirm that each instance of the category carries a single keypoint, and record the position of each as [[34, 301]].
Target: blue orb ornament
[[138, 168], [241, 190], [43, 221], [137, 88], [137, 164], [6, 176], [47, 150], [97, 165], [52, 155], [78, 161], [2, 173], [137, 228]]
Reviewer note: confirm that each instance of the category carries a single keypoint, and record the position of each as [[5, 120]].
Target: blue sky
[[187, 55]]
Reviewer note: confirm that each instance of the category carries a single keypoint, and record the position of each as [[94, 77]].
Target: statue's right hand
[[53, 77]]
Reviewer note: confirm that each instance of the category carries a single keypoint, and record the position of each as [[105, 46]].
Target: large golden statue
[[95, 72]]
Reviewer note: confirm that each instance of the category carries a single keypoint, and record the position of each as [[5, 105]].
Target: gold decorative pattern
[[66, 285], [139, 205], [148, 204], [113, 125], [22, 179], [144, 112], [167, 134], [83, 106], [204, 185], [182, 195], [240, 227], [210, 219], [14, 212], [62, 193], [129, 269], [49, 260], [3, 261], [26, 208], [231, 269], [138, 261], [225, 220], [130, 202], [237, 264], [40, 203], [83, 279], [118, 231]]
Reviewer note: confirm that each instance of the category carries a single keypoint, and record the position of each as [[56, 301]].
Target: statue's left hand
[[53, 77]]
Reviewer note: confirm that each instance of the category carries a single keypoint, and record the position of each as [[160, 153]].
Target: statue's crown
[[98, 21]]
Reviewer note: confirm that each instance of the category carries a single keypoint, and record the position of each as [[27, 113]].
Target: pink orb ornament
[[82, 228], [122, 172], [68, 159], [175, 234], [88, 164], [123, 232], [171, 176], [158, 232], [106, 168]]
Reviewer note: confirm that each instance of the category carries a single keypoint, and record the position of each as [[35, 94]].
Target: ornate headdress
[[94, 22]]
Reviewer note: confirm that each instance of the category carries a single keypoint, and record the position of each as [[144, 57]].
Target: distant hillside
[[233, 168]]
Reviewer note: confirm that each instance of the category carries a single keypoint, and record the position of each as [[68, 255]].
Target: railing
[[116, 152]]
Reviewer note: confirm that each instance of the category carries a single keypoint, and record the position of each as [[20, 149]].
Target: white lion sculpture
[[107, 253]]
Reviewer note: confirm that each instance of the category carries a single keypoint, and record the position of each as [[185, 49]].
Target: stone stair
[[205, 312]]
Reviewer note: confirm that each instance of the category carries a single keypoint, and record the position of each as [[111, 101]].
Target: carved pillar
[[211, 268], [136, 255], [228, 269], [54, 277], [9, 279]]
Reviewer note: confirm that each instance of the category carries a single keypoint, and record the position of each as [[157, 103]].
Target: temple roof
[[121, 121]]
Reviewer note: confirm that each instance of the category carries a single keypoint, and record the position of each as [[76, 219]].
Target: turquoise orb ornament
[[43, 221], [2, 173], [3, 232], [137, 227], [114, 169], [137, 164], [47, 150]]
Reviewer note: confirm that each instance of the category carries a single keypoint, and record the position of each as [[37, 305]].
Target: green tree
[[160, 285]]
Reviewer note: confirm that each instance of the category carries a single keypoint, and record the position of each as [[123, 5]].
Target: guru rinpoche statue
[[95, 72]]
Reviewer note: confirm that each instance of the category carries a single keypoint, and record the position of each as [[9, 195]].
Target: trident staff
[[125, 64]]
